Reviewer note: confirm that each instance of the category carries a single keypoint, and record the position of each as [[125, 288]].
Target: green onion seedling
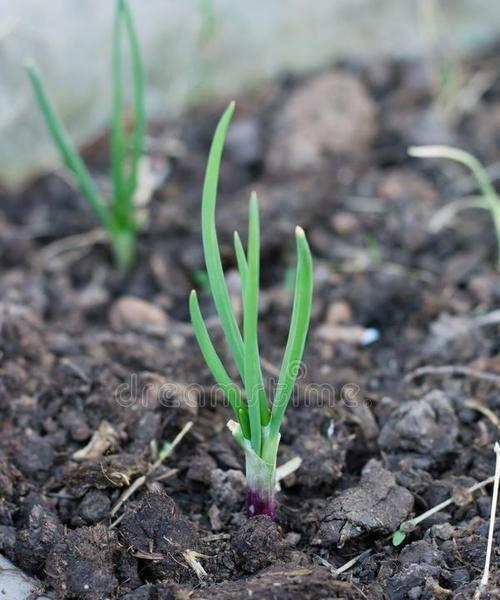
[[490, 200], [399, 536], [257, 425], [118, 217]]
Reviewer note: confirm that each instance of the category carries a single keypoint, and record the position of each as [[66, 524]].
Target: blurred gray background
[[196, 49]]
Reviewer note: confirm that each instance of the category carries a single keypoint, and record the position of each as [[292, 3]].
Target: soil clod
[[377, 505]]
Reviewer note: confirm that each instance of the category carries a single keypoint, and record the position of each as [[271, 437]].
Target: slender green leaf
[[67, 150], [139, 113], [241, 261], [299, 325], [254, 383], [125, 180], [117, 129], [215, 365], [211, 245], [244, 421], [243, 269]]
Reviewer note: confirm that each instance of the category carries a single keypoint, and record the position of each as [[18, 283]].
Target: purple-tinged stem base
[[260, 504]]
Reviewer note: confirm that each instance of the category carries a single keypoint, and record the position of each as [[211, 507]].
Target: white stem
[[443, 216], [287, 469], [494, 500], [412, 523], [261, 476], [260, 470]]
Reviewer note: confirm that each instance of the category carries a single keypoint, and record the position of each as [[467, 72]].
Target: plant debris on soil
[[395, 410]]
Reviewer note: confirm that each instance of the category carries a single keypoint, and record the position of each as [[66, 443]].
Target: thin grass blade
[[67, 150], [299, 325]]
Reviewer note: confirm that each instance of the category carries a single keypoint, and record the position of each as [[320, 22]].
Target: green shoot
[[406, 527], [257, 425], [490, 198], [117, 217]]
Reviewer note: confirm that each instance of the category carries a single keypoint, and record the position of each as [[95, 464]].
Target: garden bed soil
[[99, 369]]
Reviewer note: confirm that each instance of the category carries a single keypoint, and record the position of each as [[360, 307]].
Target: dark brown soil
[[99, 369]]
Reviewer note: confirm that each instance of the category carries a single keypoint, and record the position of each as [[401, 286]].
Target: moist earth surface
[[99, 369]]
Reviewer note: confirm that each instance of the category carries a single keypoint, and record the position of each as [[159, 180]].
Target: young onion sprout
[[257, 425], [490, 200], [117, 217]]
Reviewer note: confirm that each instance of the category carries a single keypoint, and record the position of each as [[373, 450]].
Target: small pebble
[[130, 312]]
